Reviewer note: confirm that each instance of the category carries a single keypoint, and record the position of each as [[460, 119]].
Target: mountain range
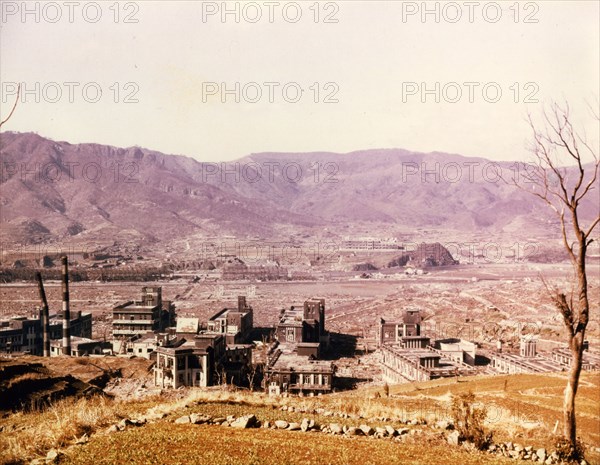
[[53, 191]]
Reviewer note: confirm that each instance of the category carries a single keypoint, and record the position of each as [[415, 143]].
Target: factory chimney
[[66, 313], [45, 317]]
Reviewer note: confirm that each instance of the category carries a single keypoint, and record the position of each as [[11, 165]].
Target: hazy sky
[[161, 68]]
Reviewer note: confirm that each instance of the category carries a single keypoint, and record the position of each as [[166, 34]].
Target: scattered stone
[[541, 453], [402, 431], [380, 430], [352, 431], [469, 446], [281, 424], [453, 438], [182, 420], [124, 423], [83, 439], [390, 430], [247, 421], [305, 425], [266, 424], [219, 420], [294, 426], [335, 428], [196, 418], [53, 456], [443, 424], [367, 430], [112, 429]]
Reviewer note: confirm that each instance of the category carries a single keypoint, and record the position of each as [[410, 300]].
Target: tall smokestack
[[45, 317], [66, 313]]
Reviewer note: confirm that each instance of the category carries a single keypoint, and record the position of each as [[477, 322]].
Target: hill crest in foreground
[[521, 409]]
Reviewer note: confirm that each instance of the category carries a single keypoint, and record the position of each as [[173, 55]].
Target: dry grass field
[[521, 408], [163, 443]]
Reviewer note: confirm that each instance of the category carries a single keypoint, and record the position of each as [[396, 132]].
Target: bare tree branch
[[14, 106], [550, 182]]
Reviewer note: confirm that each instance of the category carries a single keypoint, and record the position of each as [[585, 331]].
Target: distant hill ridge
[[53, 190]]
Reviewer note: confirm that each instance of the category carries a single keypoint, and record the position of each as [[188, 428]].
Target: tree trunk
[[570, 429]]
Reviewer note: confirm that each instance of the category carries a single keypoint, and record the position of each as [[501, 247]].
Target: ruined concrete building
[[268, 271], [36, 335], [189, 362], [289, 372], [304, 326], [395, 331], [293, 365], [81, 347], [406, 355], [373, 244], [529, 361], [234, 323], [150, 314], [590, 361], [204, 358], [25, 335], [143, 345], [200, 361], [457, 349]]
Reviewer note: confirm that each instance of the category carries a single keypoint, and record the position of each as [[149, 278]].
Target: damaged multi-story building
[[294, 365], [407, 355], [25, 334], [234, 323], [150, 314], [189, 362], [81, 347], [528, 360], [204, 358]]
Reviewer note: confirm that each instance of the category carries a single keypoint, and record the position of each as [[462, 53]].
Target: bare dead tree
[[14, 106], [563, 188], [251, 375]]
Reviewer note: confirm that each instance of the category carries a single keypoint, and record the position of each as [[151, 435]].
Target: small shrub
[[569, 453], [468, 420]]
